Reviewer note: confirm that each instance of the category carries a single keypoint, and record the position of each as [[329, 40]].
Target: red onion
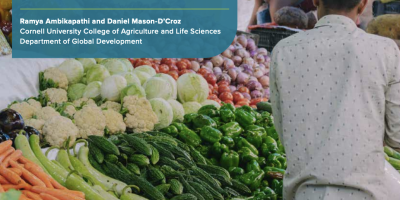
[[258, 72], [238, 46], [229, 64], [256, 94], [266, 93], [237, 60], [254, 85], [242, 40], [264, 80], [200, 59], [259, 58], [232, 48], [262, 51], [233, 74], [217, 70], [227, 53], [246, 95], [195, 66], [253, 54], [249, 61], [217, 61], [233, 88], [251, 45], [208, 64], [224, 77], [242, 78], [252, 78], [241, 52]]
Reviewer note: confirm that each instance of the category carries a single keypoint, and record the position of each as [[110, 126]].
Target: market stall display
[[6, 19]]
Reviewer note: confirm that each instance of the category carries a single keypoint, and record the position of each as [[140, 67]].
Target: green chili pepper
[[252, 166], [271, 131], [209, 110], [246, 155], [228, 106], [229, 159], [255, 134], [231, 129], [241, 142], [277, 186], [227, 115], [262, 161], [210, 134], [228, 141], [236, 171], [202, 120], [244, 118], [252, 179], [170, 130]]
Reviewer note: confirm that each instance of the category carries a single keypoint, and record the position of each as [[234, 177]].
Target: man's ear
[[362, 6], [316, 3]]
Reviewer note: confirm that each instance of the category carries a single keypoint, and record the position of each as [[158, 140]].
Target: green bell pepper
[[189, 137], [229, 159], [227, 115], [262, 161], [264, 184], [277, 186], [266, 120], [170, 130], [214, 161], [255, 135], [228, 106], [281, 147], [236, 171], [272, 144], [228, 141], [252, 166], [261, 195], [244, 118], [204, 150], [188, 119], [252, 179], [209, 110], [218, 121], [271, 131], [241, 142], [264, 150], [203, 120], [276, 160], [246, 155], [231, 129], [218, 149], [179, 126], [210, 134]]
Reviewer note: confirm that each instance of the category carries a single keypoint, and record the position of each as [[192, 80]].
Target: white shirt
[[335, 92]]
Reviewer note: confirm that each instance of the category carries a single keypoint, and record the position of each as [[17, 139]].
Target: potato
[[291, 17], [386, 26]]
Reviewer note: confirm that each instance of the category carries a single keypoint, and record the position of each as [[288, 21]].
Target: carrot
[[4, 146], [77, 193], [10, 176], [23, 197], [24, 160], [31, 195], [57, 185], [38, 172], [1, 189], [3, 180], [14, 156], [48, 197], [32, 179], [60, 194], [16, 170], [6, 154]]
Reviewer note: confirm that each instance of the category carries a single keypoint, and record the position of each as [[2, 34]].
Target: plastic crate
[[255, 37], [380, 8], [270, 37]]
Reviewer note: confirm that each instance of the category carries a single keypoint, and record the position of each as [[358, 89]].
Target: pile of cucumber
[[157, 166]]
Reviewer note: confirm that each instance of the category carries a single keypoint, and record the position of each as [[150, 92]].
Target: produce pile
[[6, 19], [393, 157]]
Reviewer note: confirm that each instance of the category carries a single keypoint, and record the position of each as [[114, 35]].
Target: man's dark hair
[[341, 4]]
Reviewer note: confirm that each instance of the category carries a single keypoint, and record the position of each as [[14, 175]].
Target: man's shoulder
[[295, 39]]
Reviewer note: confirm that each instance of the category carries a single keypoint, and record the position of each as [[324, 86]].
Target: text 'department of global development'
[[122, 28]]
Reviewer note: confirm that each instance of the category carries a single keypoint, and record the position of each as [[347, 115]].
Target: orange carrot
[[60, 194], [76, 193], [57, 185], [3, 180], [31, 195], [16, 170], [32, 179], [38, 172], [6, 154], [14, 156], [10, 176], [16, 187], [48, 197], [4, 146], [1, 189], [24, 160], [23, 197]]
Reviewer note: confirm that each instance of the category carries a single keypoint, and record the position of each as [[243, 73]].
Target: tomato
[[244, 102], [215, 89], [226, 96], [244, 90], [132, 60], [258, 100], [229, 101], [210, 89], [173, 68], [143, 62], [237, 96], [183, 72], [155, 67], [188, 63], [157, 61], [181, 65], [223, 83], [223, 88], [212, 97], [210, 78], [203, 71], [163, 68], [168, 61], [174, 74]]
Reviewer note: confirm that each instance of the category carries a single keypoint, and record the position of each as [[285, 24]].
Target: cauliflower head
[[70, 110], [84, 101], [57, 130], [90, 121], [57, 76], [35, 123], [140, 116], [111, 105], [35, 104], [25, 109], [114, 121], [46, 113], [56, 95]]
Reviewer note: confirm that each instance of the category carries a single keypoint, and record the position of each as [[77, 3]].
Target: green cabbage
[[76, 91], [192, 87], [172, 83], [87, 63], [114, 65], [131, 78], [158, 88], [93, 90], [127, 63], [143, 76], [163, 111], [133, 90], [191, 107], [112, 87], [98, 60], [210, 102], [73, 69], [147, 69], [97, 73], [177, 109]]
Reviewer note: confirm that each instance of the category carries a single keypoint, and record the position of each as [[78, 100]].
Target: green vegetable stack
[[241, 140], [393, 157]]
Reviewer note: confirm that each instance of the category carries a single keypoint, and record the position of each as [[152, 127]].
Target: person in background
[[335, 99]]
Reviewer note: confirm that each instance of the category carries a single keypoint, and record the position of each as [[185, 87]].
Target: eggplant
[[4, 137], [10, 120], [29, 130], [13, 134]]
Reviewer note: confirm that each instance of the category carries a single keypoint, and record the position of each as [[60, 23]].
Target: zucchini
[[201, 189], [186, 196], [163, 188], [103, 144], [222, 179], [95, 164], [131, 196], [96, 153], [22, 143], [63, 159], [172, 163], [139, 144], [133, 168], [185, 162], [391, 152], [189, 189], [196, 155], [395, 163], [155, 157], [216, 195], [139, 159], [240, 187], [213, 169], [82, 169], [162, 151], [207, 178], [231, 192], [111, 158], [264, 106], [176, 186], [155, 175]]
